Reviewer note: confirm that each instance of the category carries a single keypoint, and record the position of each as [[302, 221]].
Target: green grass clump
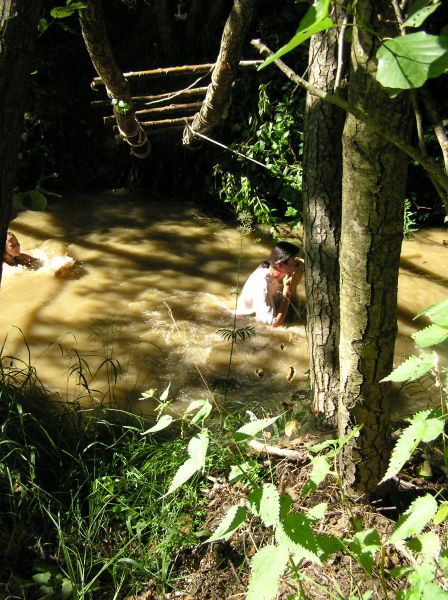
[[82, 513]]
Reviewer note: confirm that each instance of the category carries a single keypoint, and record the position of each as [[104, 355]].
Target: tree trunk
[[218, 95], [322, 176], [97, 44], [18, 32], [373, 188]]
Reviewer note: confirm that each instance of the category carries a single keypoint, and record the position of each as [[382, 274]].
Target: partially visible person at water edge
[[13, 257], [271, 289]]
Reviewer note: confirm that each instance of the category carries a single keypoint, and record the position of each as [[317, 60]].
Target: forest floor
[[221, 570]]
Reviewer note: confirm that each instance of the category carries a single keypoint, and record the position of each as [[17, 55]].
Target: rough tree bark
[[373, 189], [18, 32], [322, 183], [97, 43], [219, 91]]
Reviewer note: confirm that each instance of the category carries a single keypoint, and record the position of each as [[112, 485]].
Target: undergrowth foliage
[[295, 534], [94, 506]]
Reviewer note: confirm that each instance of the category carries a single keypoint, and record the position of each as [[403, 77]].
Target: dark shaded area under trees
[[64, 134]]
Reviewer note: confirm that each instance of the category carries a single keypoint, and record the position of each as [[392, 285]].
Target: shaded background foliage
[[66, 146]]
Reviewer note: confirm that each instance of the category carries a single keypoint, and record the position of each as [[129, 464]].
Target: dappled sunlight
[[159, 283]]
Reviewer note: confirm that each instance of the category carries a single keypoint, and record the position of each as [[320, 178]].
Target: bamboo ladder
[[166, 111]]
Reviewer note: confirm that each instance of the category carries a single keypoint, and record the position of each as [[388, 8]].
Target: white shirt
[[258, 296]]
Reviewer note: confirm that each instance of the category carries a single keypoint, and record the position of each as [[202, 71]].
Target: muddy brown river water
[[160, 278]]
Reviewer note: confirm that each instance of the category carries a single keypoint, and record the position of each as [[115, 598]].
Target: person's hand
[[292, 280]]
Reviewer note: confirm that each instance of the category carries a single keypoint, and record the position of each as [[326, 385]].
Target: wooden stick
[[167, 95], [275, 451], [161, 109], [184, 70], [166, 122]]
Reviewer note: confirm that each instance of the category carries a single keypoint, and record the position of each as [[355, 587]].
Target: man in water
[[271, 288], [12, 255]]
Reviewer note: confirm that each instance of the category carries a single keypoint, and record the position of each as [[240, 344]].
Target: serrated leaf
[[162, 423], [413, 368], [430, 546], [364, 547], [430, 336], [437, 313], [315, 20], [417, 516], [203, 407], [407, 61], [295, 532], [251, 429], [183, 474], [422, 428], [419, 12], [233, 518], [267, 566], [270, 505]]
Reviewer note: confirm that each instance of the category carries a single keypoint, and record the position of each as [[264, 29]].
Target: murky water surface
[[158, 284]]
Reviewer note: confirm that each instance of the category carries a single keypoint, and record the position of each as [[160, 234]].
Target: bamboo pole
[[159, 110], [166, 122], [148, 99], [183, 70]]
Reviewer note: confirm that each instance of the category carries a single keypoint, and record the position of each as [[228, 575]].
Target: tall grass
[[81, 508]]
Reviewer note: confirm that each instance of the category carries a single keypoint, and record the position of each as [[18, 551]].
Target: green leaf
[[295, 532], [441, 514], [242, 471], [321, 468], [422, 428], [407, 61], [317, 512], [430, 336], [437, 313], [164, 394], [233, 518], [313, 22], [417, 516], [38, 200], [270, 505], [205, 408], [413, 368], [60, 12], [419, 12], [251, 429], [43, 25], [267, 566], [197, 450], [183, 474], [162, 423], [364, 547]]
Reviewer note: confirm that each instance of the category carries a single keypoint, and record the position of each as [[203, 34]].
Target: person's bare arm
[[290, 283]]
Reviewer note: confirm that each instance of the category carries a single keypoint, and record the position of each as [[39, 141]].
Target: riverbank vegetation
[[94, 503], [234, 501]]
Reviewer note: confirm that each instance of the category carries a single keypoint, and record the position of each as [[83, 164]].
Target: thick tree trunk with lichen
[[18, 32], [97, 43], [218, 94], [373, 188], [322, 176]]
